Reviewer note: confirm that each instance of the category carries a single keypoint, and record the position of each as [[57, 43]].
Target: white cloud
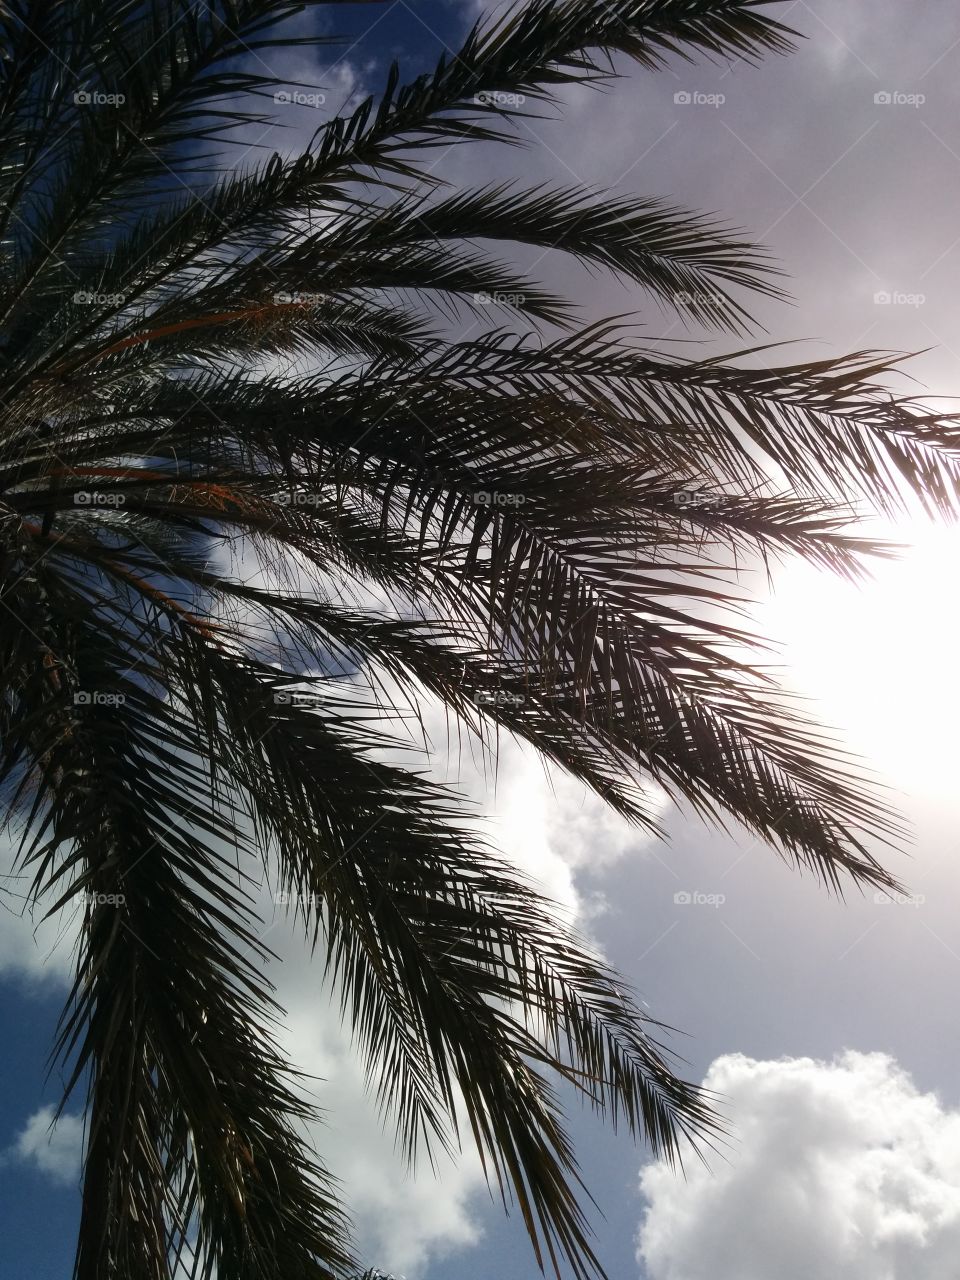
[[31, 947], [838, 1169], [551, 827], [56, 1153], [541, 820], [402, 1220], [405, 1222]]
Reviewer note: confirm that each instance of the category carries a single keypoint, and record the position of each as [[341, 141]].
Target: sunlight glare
[[881, 657]]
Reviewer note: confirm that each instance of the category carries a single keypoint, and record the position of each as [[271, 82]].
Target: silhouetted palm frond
[[262, 496]]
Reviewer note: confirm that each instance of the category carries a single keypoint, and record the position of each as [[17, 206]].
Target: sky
[[827, 1026]]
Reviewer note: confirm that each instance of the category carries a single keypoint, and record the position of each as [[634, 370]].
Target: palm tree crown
[[245, 439]]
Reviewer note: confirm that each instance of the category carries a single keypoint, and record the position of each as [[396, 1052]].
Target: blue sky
[[824, 158]]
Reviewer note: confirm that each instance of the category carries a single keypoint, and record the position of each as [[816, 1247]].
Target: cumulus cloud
[[543, 822], [838, 1169], [55, 1152], [547, 827], [34, 949], [403, 1220]]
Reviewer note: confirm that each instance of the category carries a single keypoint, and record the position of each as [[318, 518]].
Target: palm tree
[[245, 437]]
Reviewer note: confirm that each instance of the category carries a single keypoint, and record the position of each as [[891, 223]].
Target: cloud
[[403, 1220], [841, 1168], [55, 1153], [553, 829], [549, 828], [33, 948]]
